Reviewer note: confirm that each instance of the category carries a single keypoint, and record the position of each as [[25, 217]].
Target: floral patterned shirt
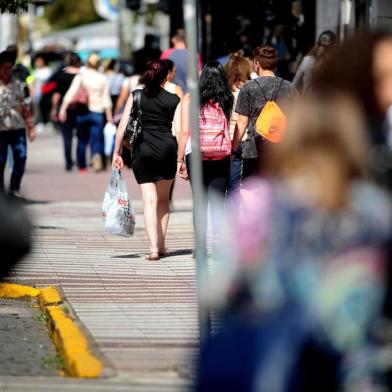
[[12, 106]]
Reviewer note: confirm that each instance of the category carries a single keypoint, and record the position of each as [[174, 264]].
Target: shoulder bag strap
[[137, 100]]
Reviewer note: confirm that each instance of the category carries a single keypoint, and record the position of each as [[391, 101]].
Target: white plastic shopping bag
[[109, 132], [118, 214]]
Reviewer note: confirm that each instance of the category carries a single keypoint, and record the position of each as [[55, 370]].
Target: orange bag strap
[[276, 94]]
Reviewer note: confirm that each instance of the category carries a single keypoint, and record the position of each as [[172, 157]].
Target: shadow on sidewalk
[[180, 252], [29, 201], [48, 227]]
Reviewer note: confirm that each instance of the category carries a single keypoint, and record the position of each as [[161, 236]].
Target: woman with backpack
[[154, 152], [216, 104]]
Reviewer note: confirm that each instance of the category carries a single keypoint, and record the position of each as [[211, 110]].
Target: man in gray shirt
[[251, 100], [179, 55]]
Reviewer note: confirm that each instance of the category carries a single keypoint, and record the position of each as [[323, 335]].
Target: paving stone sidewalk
[[141, 315]]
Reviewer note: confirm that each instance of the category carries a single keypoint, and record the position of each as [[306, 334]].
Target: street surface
[[141, 316], [26, 347]]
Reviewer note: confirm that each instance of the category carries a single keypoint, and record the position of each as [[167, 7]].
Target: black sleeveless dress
[[155, 154]]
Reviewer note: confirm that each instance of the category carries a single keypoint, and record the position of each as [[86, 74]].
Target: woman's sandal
[[153, 256]]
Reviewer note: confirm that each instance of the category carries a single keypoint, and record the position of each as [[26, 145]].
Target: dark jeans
[[90, 131], [235, 176], [67, 129], [17, 141]]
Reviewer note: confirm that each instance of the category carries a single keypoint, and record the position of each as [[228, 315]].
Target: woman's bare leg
[[150, 198], [163, 192]]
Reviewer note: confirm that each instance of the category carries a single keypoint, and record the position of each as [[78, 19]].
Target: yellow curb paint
[[10, 290], [67, 337], [79, 362], [49, 296]]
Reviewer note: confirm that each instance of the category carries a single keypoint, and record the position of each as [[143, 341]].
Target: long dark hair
[[214, 87], [155, 74]]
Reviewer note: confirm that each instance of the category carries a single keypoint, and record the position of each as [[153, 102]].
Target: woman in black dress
[[155, 154]]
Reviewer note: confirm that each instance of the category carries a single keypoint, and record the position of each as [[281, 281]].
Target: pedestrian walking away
[[216, 103], [64, 79], [179, 55], [90, 124], [154, 152], [238, 72], [174, 89], [115, 79], [303, 77], [252, 98], [41, 75], [15, 118]]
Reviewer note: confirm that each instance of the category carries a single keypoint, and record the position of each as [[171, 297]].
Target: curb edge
[[67, 337]]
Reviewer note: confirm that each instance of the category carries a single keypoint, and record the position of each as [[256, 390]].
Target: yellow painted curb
[[67, 337], [72, 344], [10, 290], [49, 296]]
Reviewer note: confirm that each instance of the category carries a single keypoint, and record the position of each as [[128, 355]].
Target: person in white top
[[169, 85], [41, 74], [91, 121]]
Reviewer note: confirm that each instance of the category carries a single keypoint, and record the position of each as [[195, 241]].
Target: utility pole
[[199, 197], [125, 29]]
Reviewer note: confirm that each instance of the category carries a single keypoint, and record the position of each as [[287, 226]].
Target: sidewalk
[[141, 316]]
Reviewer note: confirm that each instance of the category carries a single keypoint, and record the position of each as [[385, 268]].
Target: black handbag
[[133, 129]]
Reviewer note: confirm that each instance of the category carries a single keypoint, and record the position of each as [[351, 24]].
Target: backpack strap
[[261, 88], [277, 92]]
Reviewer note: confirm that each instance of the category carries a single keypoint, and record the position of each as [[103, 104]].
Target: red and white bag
[[215, 140]]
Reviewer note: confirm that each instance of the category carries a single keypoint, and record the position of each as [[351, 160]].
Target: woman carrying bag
[[154, 152]]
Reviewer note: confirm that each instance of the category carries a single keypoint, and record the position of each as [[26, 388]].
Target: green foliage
[[63, 14], [13, 6]]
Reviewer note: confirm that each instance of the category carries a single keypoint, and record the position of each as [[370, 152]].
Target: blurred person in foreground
[[64, 79], [15, 234], [362, 68], [15, 118], [305, 261], [369, 82], [91, 122]]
